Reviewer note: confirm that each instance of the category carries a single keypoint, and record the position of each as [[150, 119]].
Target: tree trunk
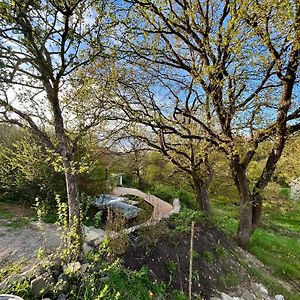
[[200, 188], [245, 227], [72, 193], [70, 178]]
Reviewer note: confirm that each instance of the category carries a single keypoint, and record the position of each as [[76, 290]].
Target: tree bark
[[73, 196], [245, 227], [200, 188]]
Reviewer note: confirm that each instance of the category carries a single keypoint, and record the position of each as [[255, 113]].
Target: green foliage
[[271, 283], [121, 284], [91, 168], [50, 218], [9, 268], [164, 192], [22, 289], [195, 254], [171, 266], [285, 192], [225, 214], [129, 285], [178, 295], [17, 223], [229, 279], [184, 219], [209, 257], [266, 245], [187, 198], [26, 171], [5, 214], [276, 244], [151, 234], [98, 219], [221, 252]]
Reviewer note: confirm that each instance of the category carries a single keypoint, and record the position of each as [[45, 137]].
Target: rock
[[260, 290], [226, 297], [86, 248], [62, 282], [72, 267], [57, 262], [62, 297], [39, 286], [74, 288], [279, 297], [62, 277], [93, 235], [295, 190], [215, 298], [104, 279], [46, 299], [84, 267], [248, 296], [11, 279], [10, 297], [40, 270]]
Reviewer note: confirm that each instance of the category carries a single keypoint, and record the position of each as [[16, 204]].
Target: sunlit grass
[[277, 242]]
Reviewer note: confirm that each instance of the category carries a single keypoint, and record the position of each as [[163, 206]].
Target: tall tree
[[42, 46], [243, 56]]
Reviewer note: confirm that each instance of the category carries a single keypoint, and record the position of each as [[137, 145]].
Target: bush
[[187, 198], [164, 192], [184, 219]]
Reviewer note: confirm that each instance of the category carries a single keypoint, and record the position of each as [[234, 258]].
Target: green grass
[[229, 279], [209, 257], [225, 214], [11, 268], [280, 253], [17, 223], [271, 283], [277, 242], [4, 214]]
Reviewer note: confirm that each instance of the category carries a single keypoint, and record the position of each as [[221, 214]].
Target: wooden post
[[191, 260]]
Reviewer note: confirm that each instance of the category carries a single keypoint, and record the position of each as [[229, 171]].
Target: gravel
[[22, 243]]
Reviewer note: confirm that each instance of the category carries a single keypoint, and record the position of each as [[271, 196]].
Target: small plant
[[164, 192], [195, 254], [209, 257], [98, 219], [171, 266], [150, 234], [184, 219], [18, 223], [8, 269], [22, 289], [4, 214], [229, 279], [195, 276], [40, 253], [116, 225], [50, 218], [221, 252]]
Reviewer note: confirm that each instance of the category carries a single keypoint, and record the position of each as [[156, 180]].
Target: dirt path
[[161, 208], [22, 243]]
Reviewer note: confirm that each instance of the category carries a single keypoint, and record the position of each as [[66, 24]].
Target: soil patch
[[167, 257], [16, 210]]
